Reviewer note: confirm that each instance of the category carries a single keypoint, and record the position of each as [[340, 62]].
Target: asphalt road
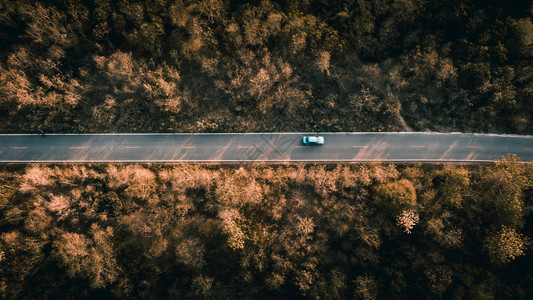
[[432, 147]]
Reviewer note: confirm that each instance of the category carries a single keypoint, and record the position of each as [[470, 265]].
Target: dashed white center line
[[475, 147], [19, 147], [188, 147], [132, 147], [417, 146]]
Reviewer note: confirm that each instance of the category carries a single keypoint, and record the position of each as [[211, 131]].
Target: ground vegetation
[[274, 231], [266, 65]]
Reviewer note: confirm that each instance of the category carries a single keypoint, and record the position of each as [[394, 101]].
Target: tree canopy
[[269, 65], [361, 231]]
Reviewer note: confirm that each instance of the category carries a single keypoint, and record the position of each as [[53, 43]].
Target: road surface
[[234, 147]]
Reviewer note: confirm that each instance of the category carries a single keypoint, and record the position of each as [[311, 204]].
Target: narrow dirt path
[[402, 121]]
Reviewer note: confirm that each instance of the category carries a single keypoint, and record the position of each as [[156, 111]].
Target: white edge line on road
[[244, 160], [275, 133]]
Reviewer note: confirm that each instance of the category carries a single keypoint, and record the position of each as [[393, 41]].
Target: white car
[[313, 140]]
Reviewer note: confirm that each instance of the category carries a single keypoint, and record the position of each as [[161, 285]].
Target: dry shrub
[[260, 22], [349, 177], [35, 178], [72, 250], [407, 220], [236, 191], [304, 227], [118, 177], [322, 61], [384, 173], [118, 67], [161, 86], [453, 183], [35, 82], [74, 174], [105, 113], [298, 198], [453, 238], [396, 196], [142, 184], [60, 205], [15, 86], [253, 192], [298, 174], [190, 177], [89, 258], [231, 226], [324, 182], [45, 25], [138, 181], [415, 175], [38, 222], [505, 245], [275, 207]]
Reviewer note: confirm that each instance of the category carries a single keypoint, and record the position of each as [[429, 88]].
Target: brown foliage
[[89, 258], [310, 230]]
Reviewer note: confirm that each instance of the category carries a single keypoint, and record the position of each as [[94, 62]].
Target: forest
[[271, 65], [268, 231]]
